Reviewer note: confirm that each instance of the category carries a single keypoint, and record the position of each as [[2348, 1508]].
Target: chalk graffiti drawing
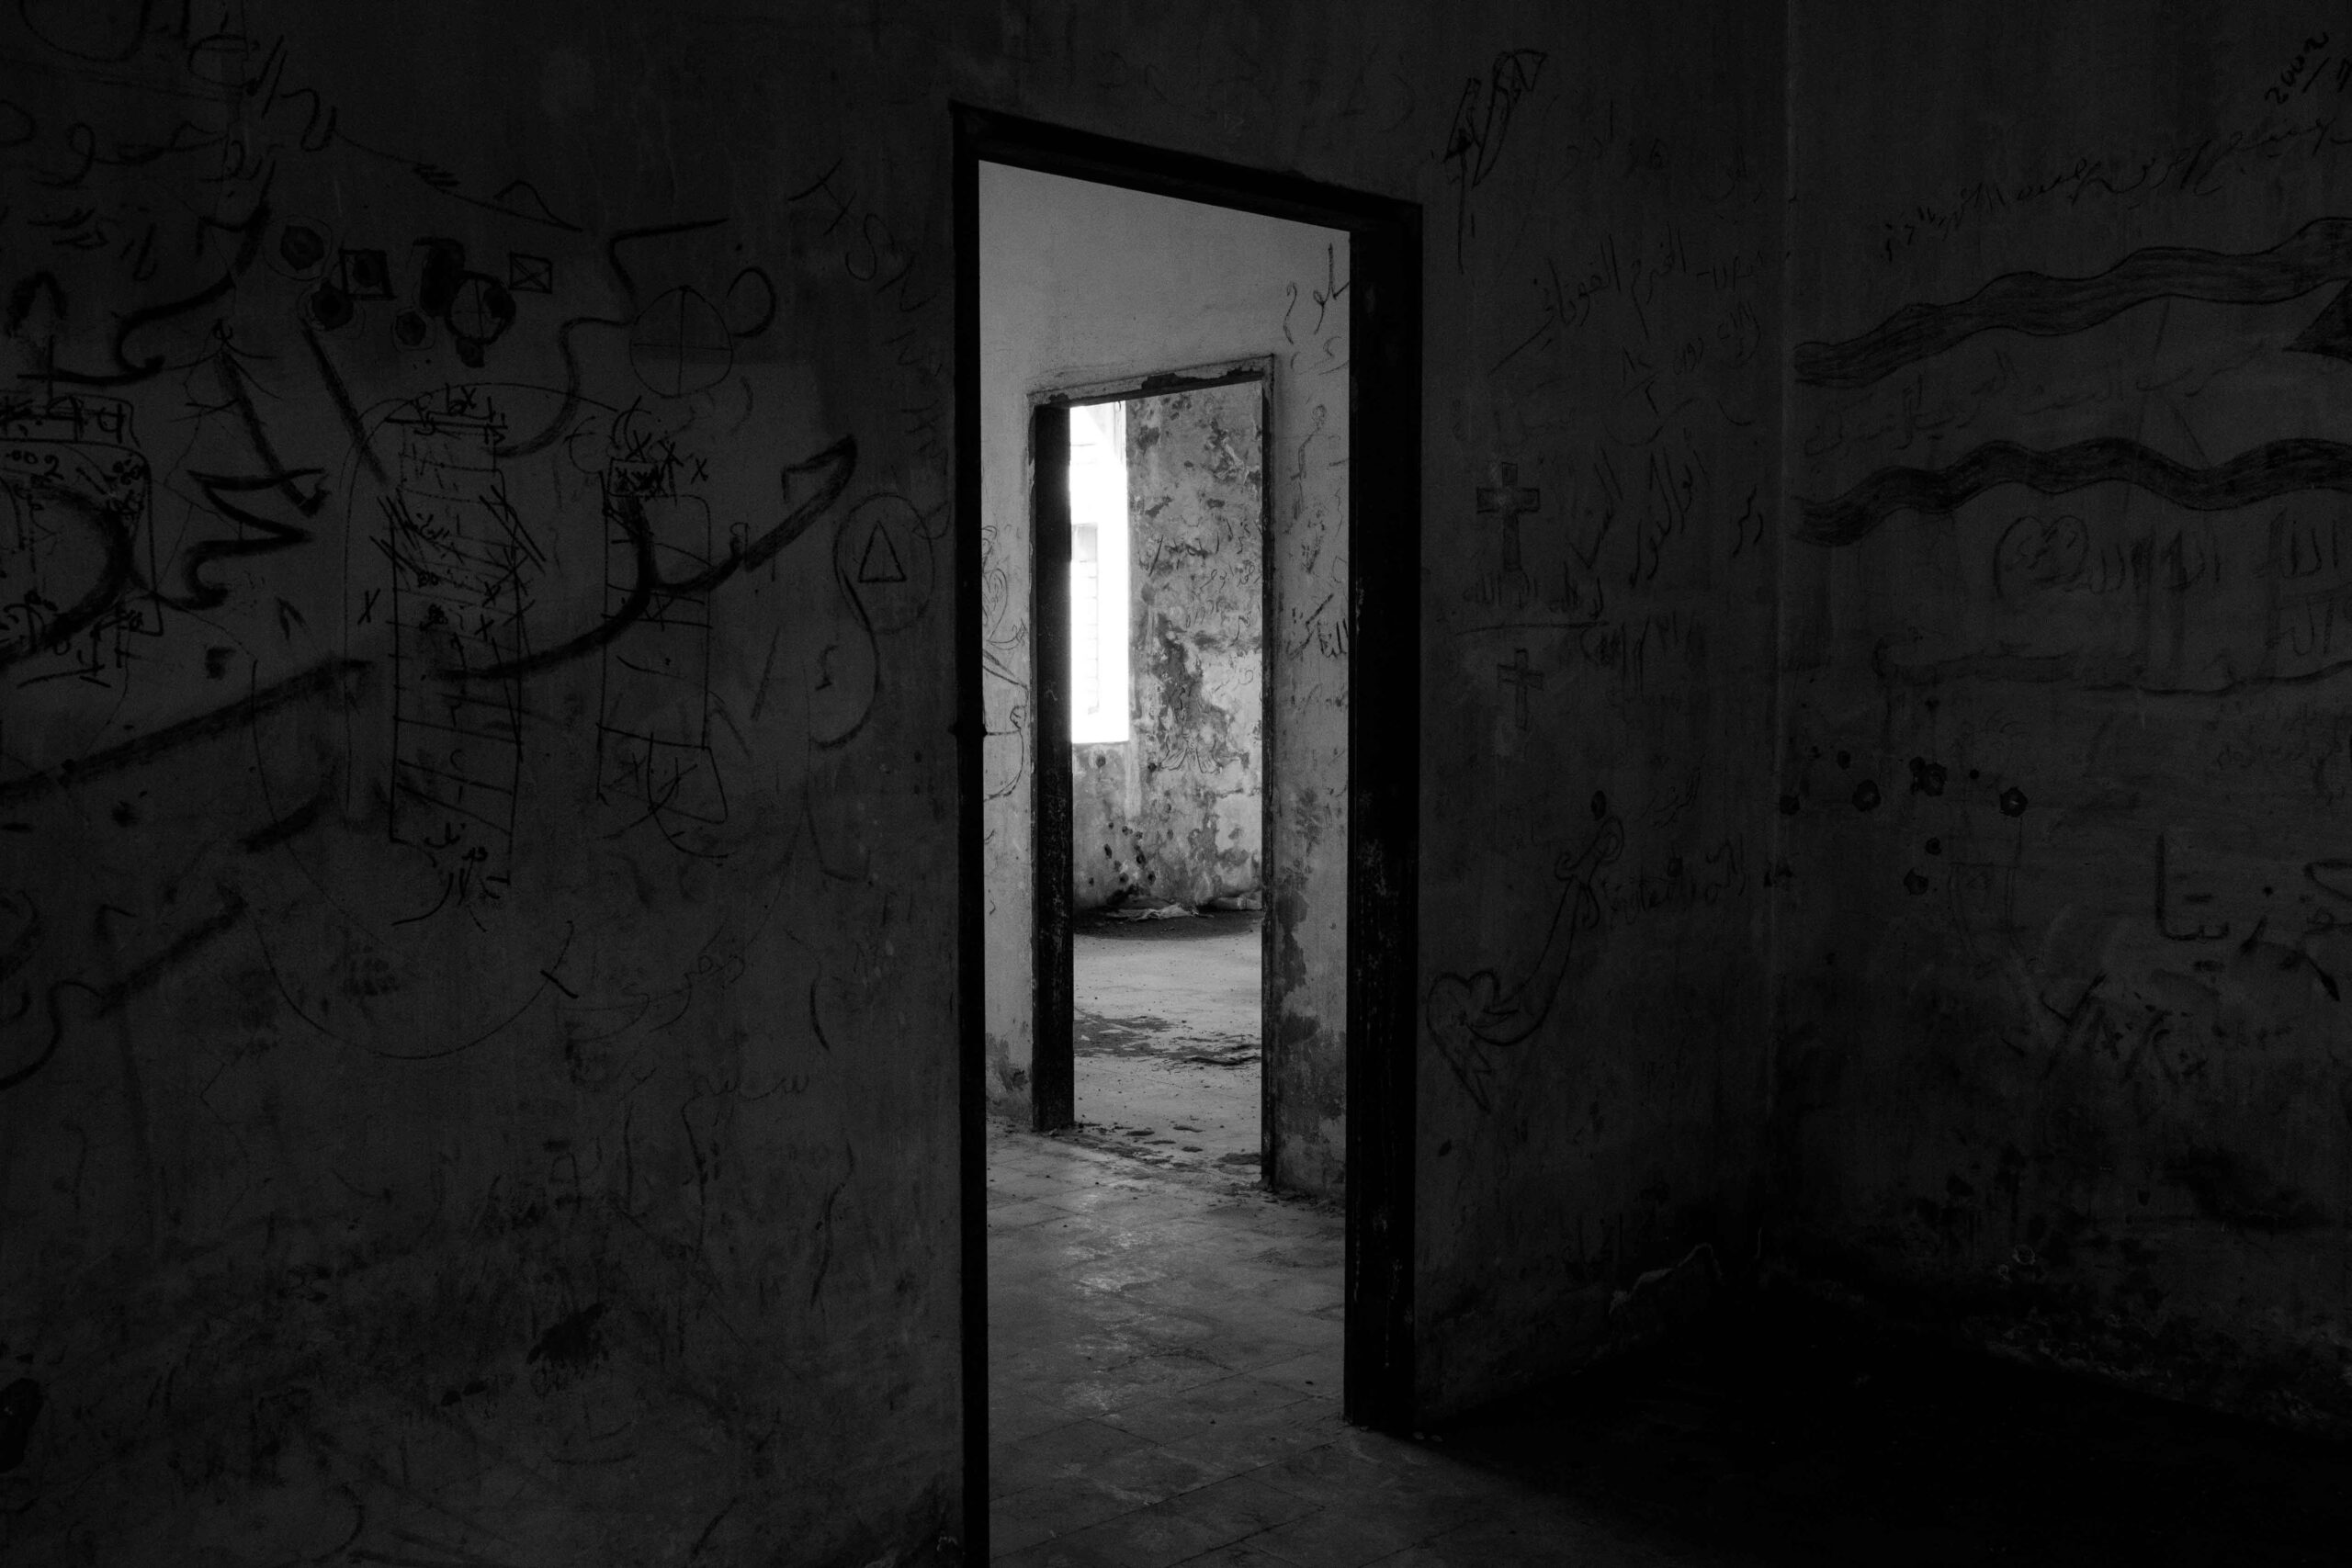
[[2275, 469], [464, 564], [1474, 141], [2317, 255], [1470, 1014], [653, 735], [74, 541]]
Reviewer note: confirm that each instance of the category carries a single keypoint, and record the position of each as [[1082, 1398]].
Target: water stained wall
[[1176, 812]]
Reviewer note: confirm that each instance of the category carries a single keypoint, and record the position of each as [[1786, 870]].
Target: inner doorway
[[1169, 786]]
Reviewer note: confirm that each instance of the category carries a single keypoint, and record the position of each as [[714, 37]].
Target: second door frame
[[1053, 1058]]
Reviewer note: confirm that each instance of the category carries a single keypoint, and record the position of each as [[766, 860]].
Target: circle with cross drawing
[[681, 343]]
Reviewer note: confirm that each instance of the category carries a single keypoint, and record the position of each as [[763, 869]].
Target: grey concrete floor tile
[[1246, 1444], [1072, 1449], [1169, 1418], [1359, 1463], [1238, 1554], [1315, 1372], [1352, 1531], [1149, 1473], [1014, 1414], [1015, 1524], [1014, 1211], [1052, 1509], [1062, 1552], [1541, 1531], [1186, 1526], [1114, 1388]]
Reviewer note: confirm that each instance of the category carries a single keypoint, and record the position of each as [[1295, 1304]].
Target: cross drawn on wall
[[1522, 678], [1507, 503]]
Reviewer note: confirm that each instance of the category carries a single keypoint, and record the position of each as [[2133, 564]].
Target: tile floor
[[1164, 1347], [1164, 1350]]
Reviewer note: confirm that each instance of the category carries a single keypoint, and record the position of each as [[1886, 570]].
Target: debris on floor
[[1149, 908], [1166, 1028]]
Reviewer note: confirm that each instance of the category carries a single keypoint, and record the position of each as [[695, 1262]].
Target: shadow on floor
[[1786, 1438], [1164, 1360]]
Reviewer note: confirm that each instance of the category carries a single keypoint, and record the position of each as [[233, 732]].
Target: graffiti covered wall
[[467, 584], [2062, 1042], [1600, 582]]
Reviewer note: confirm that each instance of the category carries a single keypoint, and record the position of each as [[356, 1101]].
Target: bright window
[[1098, 573]]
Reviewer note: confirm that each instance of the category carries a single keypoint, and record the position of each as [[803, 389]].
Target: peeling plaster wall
[[1176, 811], [1082, 285], [2062, 1043]]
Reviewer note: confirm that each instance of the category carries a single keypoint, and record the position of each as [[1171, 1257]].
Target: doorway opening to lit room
[[1187, 432], [1164, 539]]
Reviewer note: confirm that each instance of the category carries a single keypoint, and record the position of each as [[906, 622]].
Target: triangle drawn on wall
[[880, 563]]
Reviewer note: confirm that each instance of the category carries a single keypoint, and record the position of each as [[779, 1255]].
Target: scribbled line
[[127, 371], [113, 532], [836, 462], [1466, 1012], [345, 410], [2318, 253], [2275, 469], [573, 392], [290, 826], [110, 999], [321, 679], [651, 231]]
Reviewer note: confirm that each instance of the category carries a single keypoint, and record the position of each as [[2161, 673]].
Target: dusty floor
[[1164, 1358], [1164, 1362], [1168, 1039], [1164, 1382]]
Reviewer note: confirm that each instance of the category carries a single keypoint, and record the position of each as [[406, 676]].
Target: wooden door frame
[[1053, 1044], [1383, 719]]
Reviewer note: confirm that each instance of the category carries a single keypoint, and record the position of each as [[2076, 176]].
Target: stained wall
[[1177, 810], [2061, 1044]]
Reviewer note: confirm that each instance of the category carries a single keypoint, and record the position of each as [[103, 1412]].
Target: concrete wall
[[1176, 811], [460, 399], [477, 1064], [1602, 533], [1084, 284], [2062, 1041]]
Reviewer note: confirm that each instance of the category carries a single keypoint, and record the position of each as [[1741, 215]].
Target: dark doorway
[[1379, 627]]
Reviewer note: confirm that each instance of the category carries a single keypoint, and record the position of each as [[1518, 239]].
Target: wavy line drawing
[[2275, 469], [2315, 255]]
